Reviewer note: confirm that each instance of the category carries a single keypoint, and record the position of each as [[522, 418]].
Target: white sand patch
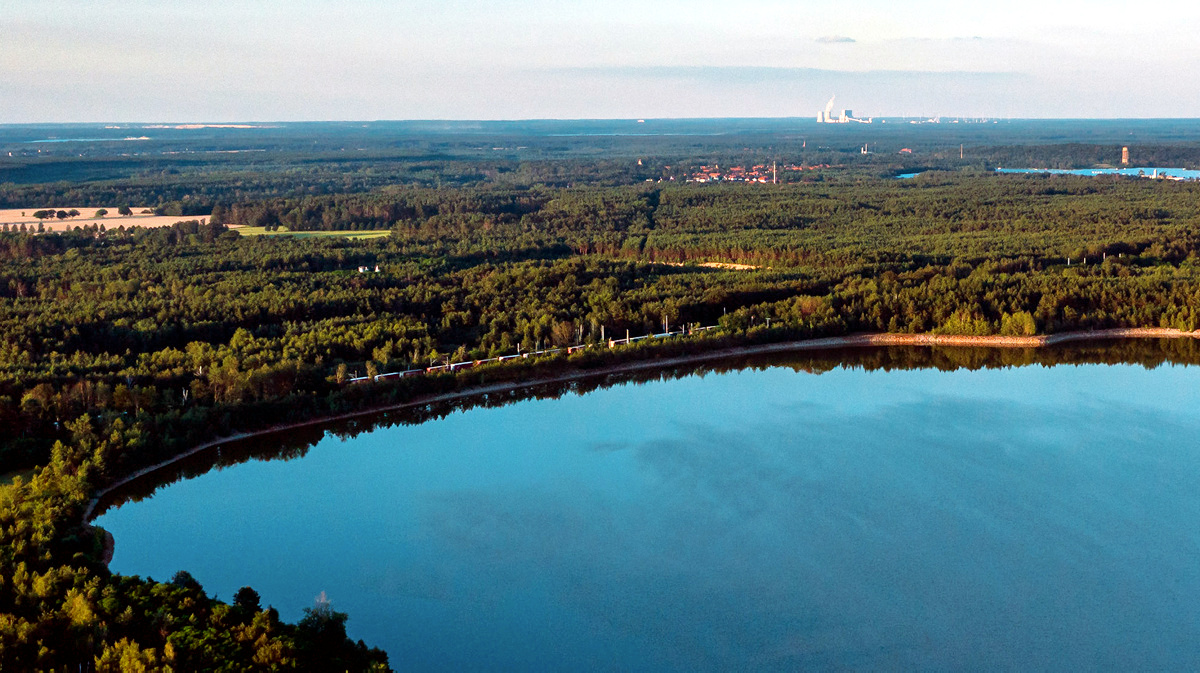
[[729, 265], [717, 265]]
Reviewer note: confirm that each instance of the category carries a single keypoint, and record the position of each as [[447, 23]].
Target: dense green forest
[[127, 346]]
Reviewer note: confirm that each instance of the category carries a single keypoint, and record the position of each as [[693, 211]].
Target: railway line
[[451, 367]]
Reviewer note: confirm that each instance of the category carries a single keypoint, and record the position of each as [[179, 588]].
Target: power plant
[[826, 116]]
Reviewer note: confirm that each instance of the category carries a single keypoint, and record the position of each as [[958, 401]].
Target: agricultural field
[[246, 230], [141, 217]]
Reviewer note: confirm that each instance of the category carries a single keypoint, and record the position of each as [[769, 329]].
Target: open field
[[19, 216], [282, 231]]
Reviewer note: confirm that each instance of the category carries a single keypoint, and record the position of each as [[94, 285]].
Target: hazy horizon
[[90, 62], [175, 124]]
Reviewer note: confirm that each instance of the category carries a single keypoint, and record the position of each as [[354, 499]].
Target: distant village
[[760, 173]]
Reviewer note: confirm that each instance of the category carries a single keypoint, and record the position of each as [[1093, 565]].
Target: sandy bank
[[729, 266], [110, 546]]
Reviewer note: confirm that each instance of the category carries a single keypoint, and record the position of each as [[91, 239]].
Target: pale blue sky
[[194, 60]]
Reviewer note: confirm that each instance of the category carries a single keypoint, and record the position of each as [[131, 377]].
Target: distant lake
[[1162, 172], [762, 519], [82, 140], [614, 133], [71, 140]]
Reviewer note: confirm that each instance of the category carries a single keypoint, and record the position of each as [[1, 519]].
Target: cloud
[[762, 74], [835, 39]]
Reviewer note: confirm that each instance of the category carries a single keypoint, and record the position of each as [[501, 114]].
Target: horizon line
[[468, 120]]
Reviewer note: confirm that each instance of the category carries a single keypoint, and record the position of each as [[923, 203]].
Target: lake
[[1182, 173], [757, 519]]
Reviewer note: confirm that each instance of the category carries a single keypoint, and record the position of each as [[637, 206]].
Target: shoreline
[[849, 341]]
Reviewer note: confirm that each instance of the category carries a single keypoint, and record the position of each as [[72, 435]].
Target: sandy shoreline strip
[[110, 546], [851, 341]]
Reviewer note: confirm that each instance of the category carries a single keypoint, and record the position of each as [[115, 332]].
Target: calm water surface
[[1022, 518], [1141, 171]]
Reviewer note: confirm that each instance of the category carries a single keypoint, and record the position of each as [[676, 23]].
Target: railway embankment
[[574, 374]]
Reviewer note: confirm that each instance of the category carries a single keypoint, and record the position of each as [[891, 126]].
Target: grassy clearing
[[282, 231]]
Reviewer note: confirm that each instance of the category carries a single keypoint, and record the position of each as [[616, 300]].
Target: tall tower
[[1124, 156]]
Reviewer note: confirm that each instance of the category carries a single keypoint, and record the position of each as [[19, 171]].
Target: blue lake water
[[81, 140], [1135, 172], [1023, 518]]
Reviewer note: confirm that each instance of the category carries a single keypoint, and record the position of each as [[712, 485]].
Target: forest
[[126, 346]]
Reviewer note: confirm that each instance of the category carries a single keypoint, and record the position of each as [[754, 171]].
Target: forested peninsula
[[125, 346]]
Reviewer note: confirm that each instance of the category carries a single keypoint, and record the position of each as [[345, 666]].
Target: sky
[[256, 60]]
